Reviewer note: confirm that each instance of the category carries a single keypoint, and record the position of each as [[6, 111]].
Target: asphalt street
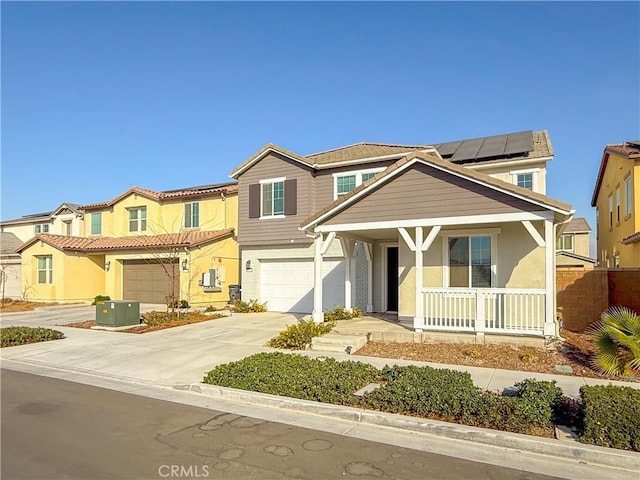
[[57, 429]]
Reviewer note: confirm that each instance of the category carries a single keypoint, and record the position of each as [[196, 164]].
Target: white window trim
[[271, 181], [35, 227], [358, 174], [139, 219], [628, 195], [470, 233], [573, 241], [191, 219], [534, 177], [48, 269]]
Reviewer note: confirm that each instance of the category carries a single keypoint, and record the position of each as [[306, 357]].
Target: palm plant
[[617, 342]]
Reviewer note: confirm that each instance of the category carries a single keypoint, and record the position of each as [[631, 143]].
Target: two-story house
[[572, 246], [457, 236], [616, 198], [64, 220], [141, 245]]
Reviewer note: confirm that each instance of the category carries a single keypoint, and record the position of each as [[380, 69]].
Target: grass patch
[[13, 336]]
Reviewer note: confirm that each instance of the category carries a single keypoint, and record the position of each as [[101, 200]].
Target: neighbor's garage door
[[147, 282], [287, 285]]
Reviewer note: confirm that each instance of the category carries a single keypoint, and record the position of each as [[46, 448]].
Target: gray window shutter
[[290, 197], [254, 200]]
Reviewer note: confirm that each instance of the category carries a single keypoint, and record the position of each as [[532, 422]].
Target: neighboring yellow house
[[143, 245], [617, 200]]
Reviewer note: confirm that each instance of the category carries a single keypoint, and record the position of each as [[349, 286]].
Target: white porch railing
[[491, 310]]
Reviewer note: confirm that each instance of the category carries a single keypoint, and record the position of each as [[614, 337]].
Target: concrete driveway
[[175, 355]]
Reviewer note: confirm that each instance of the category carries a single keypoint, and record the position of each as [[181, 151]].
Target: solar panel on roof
[[469, 149], [449, 148], [492, 146], [519, 142]]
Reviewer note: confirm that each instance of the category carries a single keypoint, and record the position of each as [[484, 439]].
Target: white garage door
[[287, 285]]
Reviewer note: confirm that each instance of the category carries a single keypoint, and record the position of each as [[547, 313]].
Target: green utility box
[[117, 313]]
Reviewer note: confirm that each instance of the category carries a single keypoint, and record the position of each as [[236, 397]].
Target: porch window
[[470, 262], [192, 215], [138, 219], [45, 269]]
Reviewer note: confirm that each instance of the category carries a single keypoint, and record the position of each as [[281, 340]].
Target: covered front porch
[[452, 276]]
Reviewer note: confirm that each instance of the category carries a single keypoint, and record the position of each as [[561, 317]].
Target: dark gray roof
[[9, 243], [576, 225], [487, 147]]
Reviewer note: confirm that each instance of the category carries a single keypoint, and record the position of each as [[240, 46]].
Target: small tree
[[617, 340]]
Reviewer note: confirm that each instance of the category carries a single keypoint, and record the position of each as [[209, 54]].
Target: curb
[[601, 456]]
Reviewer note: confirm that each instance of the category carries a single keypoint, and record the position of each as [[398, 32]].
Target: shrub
[[12, 336], [295, 376], [299, 335], [210, 308], [252, 306], [611, 416], [543, 398], [155, 318], [340, 313], [617, 342], [100, 298]]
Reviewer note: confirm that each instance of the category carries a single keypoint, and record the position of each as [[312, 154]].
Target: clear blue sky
[[98, 97]]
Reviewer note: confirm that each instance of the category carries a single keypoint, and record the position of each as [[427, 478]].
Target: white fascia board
[[506, 163], [444, 221]]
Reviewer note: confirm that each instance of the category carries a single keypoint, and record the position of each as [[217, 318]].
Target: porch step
[[338, 342]]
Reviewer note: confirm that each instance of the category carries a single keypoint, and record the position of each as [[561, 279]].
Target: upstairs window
[[67, 227], [192, 215], [617, 204], [272, 198], [629, 196], [96, 223], [345, 182], [138, 219], [470, 261], [42, 228], [45, 268], [525, 180], [610, 211], [565, 242]]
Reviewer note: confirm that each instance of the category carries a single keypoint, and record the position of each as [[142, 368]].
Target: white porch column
[[318, 315], [347, 248], [549, 276], [418, 319], [368, 252]]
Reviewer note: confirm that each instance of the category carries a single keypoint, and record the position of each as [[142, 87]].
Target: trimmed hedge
[[299, 335], [611, 416], [295, 376], [13, 336]]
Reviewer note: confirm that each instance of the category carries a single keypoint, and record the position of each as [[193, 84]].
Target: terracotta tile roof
[[138, 242], [445, 165], [630, 150], [633, 238], [576, 225], [205, 190]]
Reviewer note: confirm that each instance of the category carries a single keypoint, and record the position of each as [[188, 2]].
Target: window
[[45, 269], [192, 215], [96, 223], [525, 180], [345, 182], [272, 198], [138, 219], [565, 242], [610, 211], [67, 227], [42, 228], [629, 196], [470, 261], [617, 204]]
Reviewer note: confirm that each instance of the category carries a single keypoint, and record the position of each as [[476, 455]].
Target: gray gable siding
[[253, 231], [426, 192]]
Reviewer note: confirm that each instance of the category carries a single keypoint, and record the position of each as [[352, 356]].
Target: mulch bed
[[22, 305], [575, 352], [185, 319]]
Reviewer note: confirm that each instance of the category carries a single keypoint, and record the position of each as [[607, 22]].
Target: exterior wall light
[[248, 267], [185, 265], [107, 265]]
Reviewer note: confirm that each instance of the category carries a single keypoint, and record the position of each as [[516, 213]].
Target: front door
[[392, 279]]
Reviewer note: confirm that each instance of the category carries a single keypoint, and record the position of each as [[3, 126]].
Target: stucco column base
[[318, 317], [369, 308], [480, 337], [550, 329]]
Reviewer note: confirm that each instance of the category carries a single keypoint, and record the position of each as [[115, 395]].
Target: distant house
[[142, 245], [64, 220], [572, 248], [616, 198], [10, 266], [456, 236]]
